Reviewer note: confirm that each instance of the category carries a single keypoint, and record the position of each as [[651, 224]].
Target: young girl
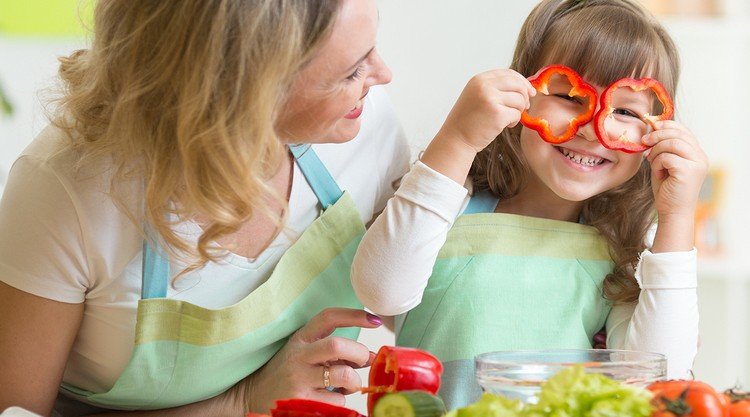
[[569, 241]]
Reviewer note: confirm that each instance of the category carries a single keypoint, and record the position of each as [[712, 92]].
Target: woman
[[154, 209]]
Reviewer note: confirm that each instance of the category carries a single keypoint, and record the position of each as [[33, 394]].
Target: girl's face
[[580, 168], [327, 97]]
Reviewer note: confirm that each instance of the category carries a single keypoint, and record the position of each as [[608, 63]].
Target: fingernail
[[374, 319]]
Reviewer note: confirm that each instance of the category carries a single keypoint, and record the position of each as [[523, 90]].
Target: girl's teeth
[[582, 159]]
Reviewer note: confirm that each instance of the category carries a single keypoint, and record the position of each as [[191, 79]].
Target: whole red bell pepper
[[606, 109], [579, 88], [401, 369], [298, 407]]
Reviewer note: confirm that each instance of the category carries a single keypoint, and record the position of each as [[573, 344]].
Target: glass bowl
[[520, 373]]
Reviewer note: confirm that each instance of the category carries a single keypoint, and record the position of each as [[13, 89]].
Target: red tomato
[[739, 403], [687, 398]]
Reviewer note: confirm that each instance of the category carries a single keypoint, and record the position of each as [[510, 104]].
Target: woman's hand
[[490, 102], [678, 168], [297, 370]]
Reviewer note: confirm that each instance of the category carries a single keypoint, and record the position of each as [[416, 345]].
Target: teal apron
[[184, 353], [504, 282]]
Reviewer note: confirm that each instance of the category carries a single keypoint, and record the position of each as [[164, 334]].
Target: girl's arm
[[395, 258], [665, 319]]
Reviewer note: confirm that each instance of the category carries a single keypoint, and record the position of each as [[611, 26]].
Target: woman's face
[[327, 97]]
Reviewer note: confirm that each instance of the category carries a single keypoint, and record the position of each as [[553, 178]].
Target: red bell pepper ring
[[298, 407], [622, 144], [401, 369], [579, 88]]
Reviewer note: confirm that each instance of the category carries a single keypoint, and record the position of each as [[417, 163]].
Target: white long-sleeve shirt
[[397, 254]]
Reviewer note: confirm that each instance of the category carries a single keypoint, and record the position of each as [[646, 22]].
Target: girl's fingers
[[509, 116], [336, 350], [330, 319], [674, 146], [671, 128], [664, 163], [510, 81], [514, 100]]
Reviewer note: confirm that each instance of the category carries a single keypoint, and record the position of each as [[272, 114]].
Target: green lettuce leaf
[[575, 393], [490, 405]]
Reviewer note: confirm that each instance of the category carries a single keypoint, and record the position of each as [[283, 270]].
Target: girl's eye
[[566, 97], [625, 112], [356, 74]]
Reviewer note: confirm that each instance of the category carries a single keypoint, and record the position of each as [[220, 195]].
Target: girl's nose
[[588, 132]]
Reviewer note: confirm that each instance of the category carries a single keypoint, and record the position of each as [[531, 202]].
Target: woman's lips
[[355, 112]]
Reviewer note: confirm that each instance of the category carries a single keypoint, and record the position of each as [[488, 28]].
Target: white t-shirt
[[64, 239], [395, 260]]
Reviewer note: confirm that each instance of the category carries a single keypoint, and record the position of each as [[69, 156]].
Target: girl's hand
[[678, 168], [490, 102], [297, 370]]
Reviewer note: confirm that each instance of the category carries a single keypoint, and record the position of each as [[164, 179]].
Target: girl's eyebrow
[[359, 61]]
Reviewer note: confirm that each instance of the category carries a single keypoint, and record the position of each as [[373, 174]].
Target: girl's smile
[[584, 161]]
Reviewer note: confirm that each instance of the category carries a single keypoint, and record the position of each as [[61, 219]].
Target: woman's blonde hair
[[604, 40], [183, 96]]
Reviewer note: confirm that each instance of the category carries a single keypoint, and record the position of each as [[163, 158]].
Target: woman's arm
[[35, 339], [665, 319]]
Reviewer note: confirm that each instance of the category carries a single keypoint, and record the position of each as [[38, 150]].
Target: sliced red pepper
[[579, 88], [298, 407], [401, 369], [606, 109]]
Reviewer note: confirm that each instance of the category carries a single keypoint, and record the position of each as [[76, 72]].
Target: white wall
[[27, 68], [435, 46]]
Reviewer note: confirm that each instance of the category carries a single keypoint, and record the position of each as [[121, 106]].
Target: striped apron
[[506, 282]]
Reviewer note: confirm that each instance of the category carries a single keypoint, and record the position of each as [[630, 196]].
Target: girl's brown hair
[[604, 40], [183, 96]]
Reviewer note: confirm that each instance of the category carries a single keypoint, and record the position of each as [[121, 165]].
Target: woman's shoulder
[[47, 195]]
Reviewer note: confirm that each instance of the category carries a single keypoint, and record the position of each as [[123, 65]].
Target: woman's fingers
[[336, 349], [327, 321], [344, 378], [330, 397]]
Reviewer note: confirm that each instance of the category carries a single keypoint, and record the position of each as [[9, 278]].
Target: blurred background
[[433, 48]]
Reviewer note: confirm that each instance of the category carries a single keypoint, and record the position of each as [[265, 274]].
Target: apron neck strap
[[156, 272], [482, 202], [316, 174]]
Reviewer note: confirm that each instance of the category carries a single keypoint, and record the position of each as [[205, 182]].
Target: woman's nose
[[381, 74]]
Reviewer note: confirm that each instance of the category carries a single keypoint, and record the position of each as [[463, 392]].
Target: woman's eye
[[356, 74]]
